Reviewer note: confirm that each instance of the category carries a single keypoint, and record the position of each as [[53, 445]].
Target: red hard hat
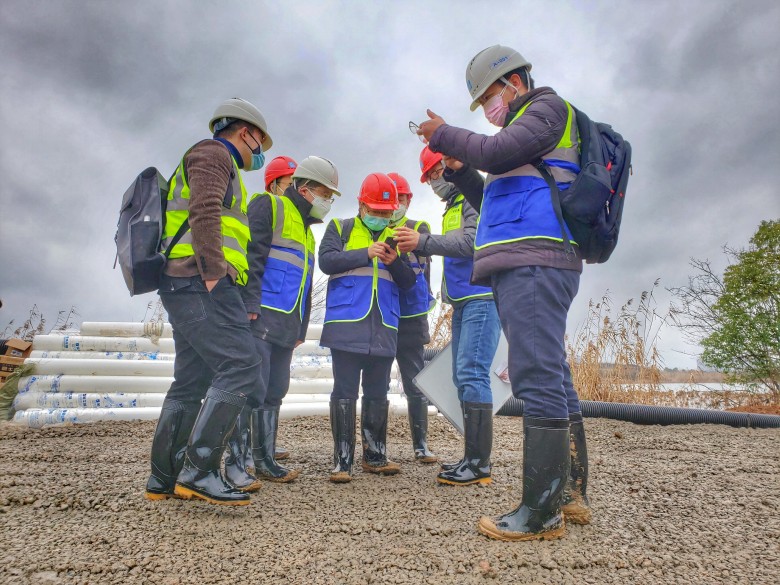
[[401, 184], [428, 160], [378, 192], [281, 166]]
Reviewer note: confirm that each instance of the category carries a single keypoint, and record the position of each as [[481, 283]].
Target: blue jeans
[[533, 302], [475, 332]]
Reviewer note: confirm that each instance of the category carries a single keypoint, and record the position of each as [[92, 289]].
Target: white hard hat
[[490, 65], [238, 109], [321, 170]]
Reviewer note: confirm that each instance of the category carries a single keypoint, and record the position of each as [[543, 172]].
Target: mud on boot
[[168, 447], [474, 468], [545, 472], [373, 433], [576, 507], [342, 426], [265, 422], [417, 407], [238, 462], [200, 476]]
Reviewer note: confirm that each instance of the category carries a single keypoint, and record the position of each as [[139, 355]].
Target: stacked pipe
[[121, 371]]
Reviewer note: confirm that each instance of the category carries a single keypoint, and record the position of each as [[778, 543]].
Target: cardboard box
[[9, 364], [17, 348]]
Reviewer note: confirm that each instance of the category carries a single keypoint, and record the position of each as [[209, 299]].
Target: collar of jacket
[[233, 151], [517, 103], [303, 206], [450, 200]]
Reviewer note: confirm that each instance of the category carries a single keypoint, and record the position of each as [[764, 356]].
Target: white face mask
[[399, 213], [320, 207]]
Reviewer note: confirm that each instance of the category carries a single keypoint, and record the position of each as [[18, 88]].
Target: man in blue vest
[[361, 324], [278, 300], [413, 332], [216, 361], [475, 325], [520, 251]]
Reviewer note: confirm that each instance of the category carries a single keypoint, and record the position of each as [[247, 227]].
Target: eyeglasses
[[434, 174], [327, 197], [413, 128]]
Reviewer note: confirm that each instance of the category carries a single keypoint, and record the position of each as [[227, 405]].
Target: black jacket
[[282, 329]]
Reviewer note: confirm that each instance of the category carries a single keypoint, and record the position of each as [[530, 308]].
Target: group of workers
[[238, 292]]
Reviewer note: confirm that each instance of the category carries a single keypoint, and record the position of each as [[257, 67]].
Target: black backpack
[[139, 232], [592, 206]]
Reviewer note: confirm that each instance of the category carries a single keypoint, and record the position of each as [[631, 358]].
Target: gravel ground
[[695, 504]]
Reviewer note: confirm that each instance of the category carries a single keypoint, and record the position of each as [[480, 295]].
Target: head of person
[[377, 201], [278, 174], [317, 181], [404, 197], [242, 124], [432, 169], [495, 77]]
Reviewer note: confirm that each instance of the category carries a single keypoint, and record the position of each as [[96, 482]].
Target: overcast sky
[[94, 92]]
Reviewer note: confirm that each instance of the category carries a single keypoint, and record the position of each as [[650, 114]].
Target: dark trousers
[[214, 345], [275, 371], [347, 367], [533, 303], [410, 357]]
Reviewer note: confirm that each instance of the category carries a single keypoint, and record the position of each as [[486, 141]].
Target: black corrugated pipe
[[644, 414]]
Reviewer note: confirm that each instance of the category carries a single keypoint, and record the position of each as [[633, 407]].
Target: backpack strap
[[345, 229], [555, 196], [185, 225]]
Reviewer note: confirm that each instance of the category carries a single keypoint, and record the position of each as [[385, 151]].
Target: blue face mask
[[258, 158], [375, 224]]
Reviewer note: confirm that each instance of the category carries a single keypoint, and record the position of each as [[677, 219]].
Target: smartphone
[[392, 243]]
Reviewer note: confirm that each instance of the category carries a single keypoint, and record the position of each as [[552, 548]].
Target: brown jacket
[[207, 166]]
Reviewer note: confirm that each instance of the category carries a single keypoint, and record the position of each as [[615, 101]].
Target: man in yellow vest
[[361, 324], [519, 249], [413, 332], [278, 299], [216, 359], [475, 325]]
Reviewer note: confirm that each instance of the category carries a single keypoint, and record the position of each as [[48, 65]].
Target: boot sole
[[282, 456], [576, 514], [342, 477], [252, 487], [481, 481], [487, 527], [427, 460], [381, 470], [159, 497], [187, 494], [284, 479]]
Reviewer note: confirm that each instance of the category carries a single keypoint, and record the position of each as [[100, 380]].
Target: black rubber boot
[[200, 476], [478, 438], [342, 425], [265, 422], [168, 446], [418, 423], [545, 473], [453, 464], [576, 507], [239, 464], [373, 434]]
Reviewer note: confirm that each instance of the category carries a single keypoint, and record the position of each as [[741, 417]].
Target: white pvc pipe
[[123, 329], [73, 400], [95, 384], [82, 343], [98, 367], [103, 355], [311, 347]]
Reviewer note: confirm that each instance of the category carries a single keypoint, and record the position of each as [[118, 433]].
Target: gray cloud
[[93, 92]]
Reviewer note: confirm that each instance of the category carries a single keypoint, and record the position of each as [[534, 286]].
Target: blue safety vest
[[416, 301], [351, 294], [456, 281]]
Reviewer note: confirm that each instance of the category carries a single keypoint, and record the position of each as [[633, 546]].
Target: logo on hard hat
[[385, 195], [468, 84], [501, 60], [291, 164]]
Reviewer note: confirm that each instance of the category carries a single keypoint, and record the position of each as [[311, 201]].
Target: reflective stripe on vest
[[351, 294], [456, 279], [235, 226], [517, 205], [290, 263], [416, 301]]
